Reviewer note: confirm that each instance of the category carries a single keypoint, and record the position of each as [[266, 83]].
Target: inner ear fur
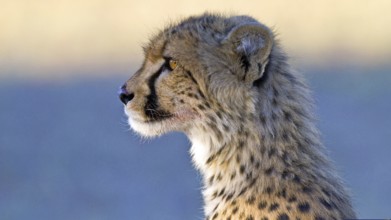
[[251, 45]]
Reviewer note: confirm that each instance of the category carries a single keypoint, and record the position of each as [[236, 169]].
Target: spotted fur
[[247, 114]]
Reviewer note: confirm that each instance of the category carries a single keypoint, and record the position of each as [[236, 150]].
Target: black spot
[[271, 152], [209, 78], [319, 218], [210, 159], [235, 210], [282, 193], [229, 218], [253, 181], [191, 95], [292, 199], [243, 191], [296, 179], [201, 107], [222, 192], [327, 193], [326, 204], [220, 150], [212, 119], [283, 216], [251, 200], [264, 218], [250, 217], [274, 102], [269, 170], [307, 189], [286, 158], [252, 159], [287, 116], [284, 174], [215, 216], [249, 176], [242, 168], [238, 158], [241, 144], [274, 207], [263, 119], [211, 179], [262, 205], [269, 190], [226, 128], [303, 207], [217, 132], [219, 115], [229, 197]]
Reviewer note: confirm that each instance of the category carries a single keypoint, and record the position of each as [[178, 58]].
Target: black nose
[[124, 95]]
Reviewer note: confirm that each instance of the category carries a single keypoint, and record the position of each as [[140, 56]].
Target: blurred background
[[66, 151]]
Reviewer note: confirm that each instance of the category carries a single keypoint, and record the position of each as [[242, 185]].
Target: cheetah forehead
[[207, 28]]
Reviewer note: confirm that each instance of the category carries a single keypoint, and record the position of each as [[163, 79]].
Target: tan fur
[[248, 115]]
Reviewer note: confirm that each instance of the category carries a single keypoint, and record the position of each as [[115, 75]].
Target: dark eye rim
[[167, 63]]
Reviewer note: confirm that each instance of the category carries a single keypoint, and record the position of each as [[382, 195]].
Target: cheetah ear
[[251, 45]]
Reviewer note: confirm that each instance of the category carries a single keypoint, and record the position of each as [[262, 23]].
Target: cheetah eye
[[172, 64]]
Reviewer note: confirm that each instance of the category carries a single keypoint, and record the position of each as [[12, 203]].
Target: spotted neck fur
[[261, 148]]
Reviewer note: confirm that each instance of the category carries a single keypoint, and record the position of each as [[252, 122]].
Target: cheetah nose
[[124, 95]]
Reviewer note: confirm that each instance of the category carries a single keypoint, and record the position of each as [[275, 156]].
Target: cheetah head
[[198, 74]]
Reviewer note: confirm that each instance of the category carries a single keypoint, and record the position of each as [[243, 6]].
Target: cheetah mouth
[[161, 117], [157, 115], [164, 118], [157, 120]]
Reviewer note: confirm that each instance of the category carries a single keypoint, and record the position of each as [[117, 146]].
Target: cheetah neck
[[253, 157], [229, 168]]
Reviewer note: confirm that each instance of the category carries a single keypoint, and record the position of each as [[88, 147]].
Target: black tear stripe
[[151, 108]]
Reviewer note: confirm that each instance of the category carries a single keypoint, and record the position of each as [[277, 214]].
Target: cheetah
[[226, 83]]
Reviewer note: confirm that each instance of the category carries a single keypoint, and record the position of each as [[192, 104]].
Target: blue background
[[66, 151]]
